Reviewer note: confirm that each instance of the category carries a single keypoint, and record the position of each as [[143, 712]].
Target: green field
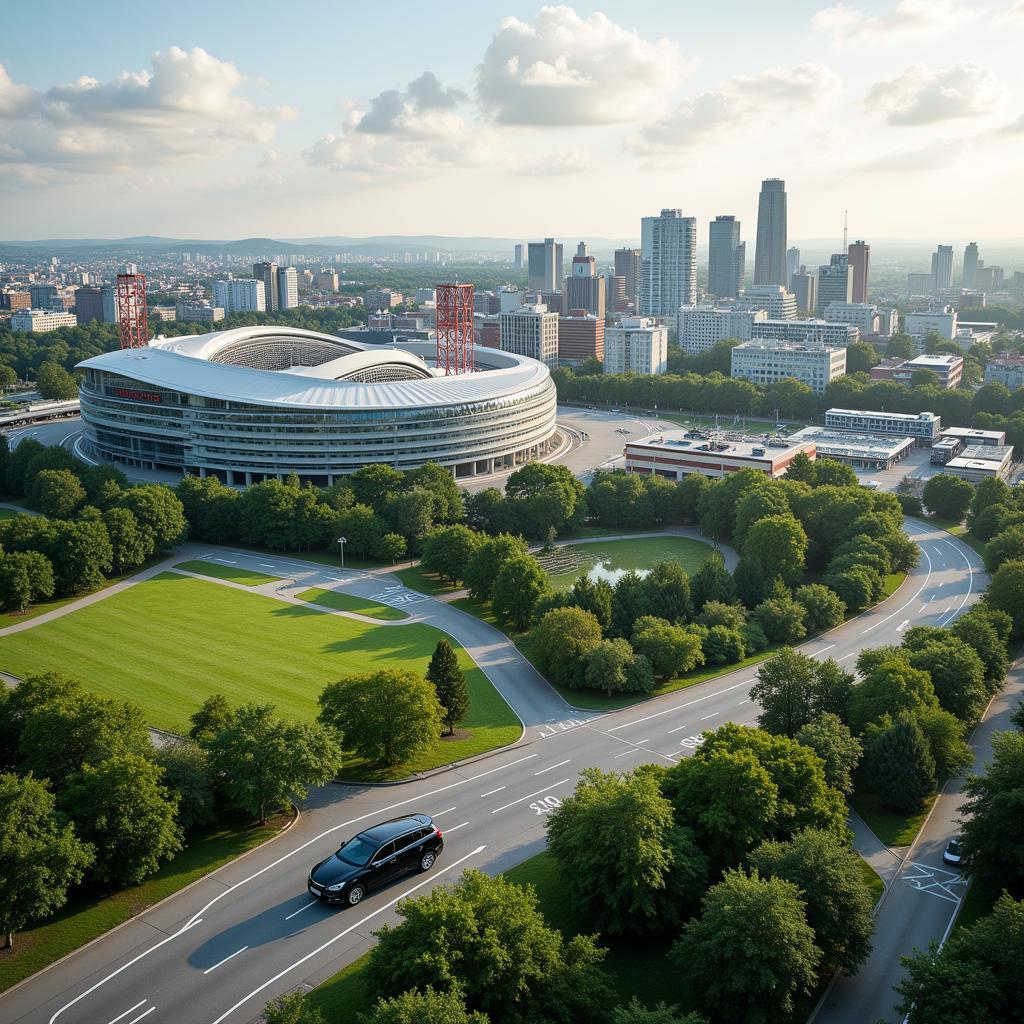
[[340, 601], [168, 643], [417, 578], [611, 559], [892, 827], [231, 573]]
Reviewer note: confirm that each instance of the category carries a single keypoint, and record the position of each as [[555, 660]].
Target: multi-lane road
[[219, 950]]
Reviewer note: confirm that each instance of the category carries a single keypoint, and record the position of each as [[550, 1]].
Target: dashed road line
[[552, 767], [224, 961], [554, 785]]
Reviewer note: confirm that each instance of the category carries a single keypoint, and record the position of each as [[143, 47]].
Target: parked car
[[953, 853], [375, 857]]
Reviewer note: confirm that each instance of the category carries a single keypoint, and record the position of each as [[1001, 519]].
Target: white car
[[953, 853]]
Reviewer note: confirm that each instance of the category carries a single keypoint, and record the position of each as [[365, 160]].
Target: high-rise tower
[[668, 263], [970, 265], [859, 254], [770, 255], [942, 268], [726, 258]]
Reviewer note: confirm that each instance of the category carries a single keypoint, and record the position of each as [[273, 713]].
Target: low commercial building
[[41, 320], [923, 426], [676, 454], [923, 321], [865, 316], [765, 361], [1006, 370], [981, 462], [809, 331], [945, 449], [863, 451], [636, 344], [971, 435], [778, 302], [193, 313], [948, 369], [703, 327]]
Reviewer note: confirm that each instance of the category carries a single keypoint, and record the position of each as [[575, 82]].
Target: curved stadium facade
[[258, 402]]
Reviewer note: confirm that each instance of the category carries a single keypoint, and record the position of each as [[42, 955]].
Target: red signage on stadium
[[138, 396]]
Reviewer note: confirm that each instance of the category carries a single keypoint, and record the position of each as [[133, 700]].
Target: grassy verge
[[330, 557], [340, 601], [231, 573], [872, 880], [892, 827], [417, 578], [90, 915], [346, 994], [975, 905]]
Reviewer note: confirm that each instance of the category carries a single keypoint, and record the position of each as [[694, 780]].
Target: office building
[[792, 265], [1007, 370], [11, 300], [627, 266], [96, 303], [636, 345], [267, 273], [42, 319], [580, 336], [375, 299], [770, 254], [776, 301], [923, 426], [922, 322], [863, 315], [509, 298], [981, 462], [668, 263], [194, 312], [972, 435], [583, 288], [287, 288], [948, 370], [163, 313], [859, 258], [766, 361], [531, 330], [675, 454], [44, 296], [919, 284], [240, 295], [942, 268], [862, 451], [970, 264], [519, 256], [989, 279], [810, 331], [544, 266], [700, 328], [805, 290], [326, 281], [835, 283], [615, 294], [726, 258]]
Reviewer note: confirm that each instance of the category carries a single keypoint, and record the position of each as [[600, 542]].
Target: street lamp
[[341, 543]]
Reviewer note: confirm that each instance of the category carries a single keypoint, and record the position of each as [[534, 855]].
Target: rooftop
[[888, 415], [731, 443], [842, 442]]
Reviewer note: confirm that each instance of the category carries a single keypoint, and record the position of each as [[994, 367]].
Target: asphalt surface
[[220, 949]]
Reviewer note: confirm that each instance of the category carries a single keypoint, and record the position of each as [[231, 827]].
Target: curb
[[296, 815]]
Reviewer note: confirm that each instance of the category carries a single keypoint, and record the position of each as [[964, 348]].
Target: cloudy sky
[[472, 117]]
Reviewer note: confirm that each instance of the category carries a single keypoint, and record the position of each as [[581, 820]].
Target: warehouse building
[[862, 451], [676, 454], [979, 462]]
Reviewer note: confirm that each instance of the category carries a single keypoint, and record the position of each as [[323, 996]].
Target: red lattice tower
[[454, 304], [131, 310]]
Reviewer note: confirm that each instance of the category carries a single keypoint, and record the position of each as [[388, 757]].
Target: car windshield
[[357, 851], [954, 846]]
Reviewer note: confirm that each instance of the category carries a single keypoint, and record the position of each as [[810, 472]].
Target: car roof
[[395, 827]]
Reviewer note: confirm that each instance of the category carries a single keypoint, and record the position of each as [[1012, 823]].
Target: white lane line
[[197, 918], [903, 625], [145, 1013], [267, 565], [141, 1002], [845, 656], [823, 650], [746, 700], [305, 906], [554, 785], [944, 610], [455, 828], [445, 811], [678, 728], [714, 715], [309, 956], [668, 711], [225, 960], [491, 792], [230, 561], [928, 558], [633, 750], [552, 767]]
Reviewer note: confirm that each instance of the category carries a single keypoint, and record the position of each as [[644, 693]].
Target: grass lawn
[[88, 915], [417, 578], [10, 513], [343, 602], [232, 573], [894, 828], [202, 638], [975, 905], [891, 583], [872, 879]]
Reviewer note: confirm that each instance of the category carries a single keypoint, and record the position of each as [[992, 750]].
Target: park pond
[[609, 560]]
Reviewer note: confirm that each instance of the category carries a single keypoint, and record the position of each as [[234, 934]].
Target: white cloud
[[846, 23], [1014, 127], [919, 96], [743, 101], [423, 107], [1015, 13], [188, 105], [561, 162], [561, 69], [922, 158]]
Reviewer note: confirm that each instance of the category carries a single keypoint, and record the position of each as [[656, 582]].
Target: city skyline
[[193, 123]]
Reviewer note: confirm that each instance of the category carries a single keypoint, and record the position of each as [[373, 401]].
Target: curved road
[[217, 951]]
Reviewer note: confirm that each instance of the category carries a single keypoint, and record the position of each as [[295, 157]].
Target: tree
[[186, 767], [130, 545], [593, 597], [487, 936], [410, 513], [634, 1012], [768, 499], [120, 806], [945, 735], [561, 642], [898, 765], [55, 382], [57, 493], [840, 751], [417, 1007], [716, 613], [889, 687], [779, 545], [376, 486], [785, 691], [721, 645], [447, 550], [159, 512], [25, 577], [362, 529], [488, 560], [860, 356], [213, 716], [440, 484], [671, 650], [750, 951], [629, 603], [976, 630], [712, 582], [294, 1008], [81, 556], [41, 855], [387, 717], [993, 825], [1006, 545], [1005, 593], [823, 608], [781, 618], [947, 497], [614, 667], [390, 547], [519, 585], [667, 589], [838, 903], [957, 675], [264, 761], [449, 683]]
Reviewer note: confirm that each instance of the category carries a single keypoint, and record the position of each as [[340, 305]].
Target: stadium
[[257, 402]]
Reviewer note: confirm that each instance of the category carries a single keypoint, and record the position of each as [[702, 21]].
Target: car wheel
[[355, 895], [427, 861]]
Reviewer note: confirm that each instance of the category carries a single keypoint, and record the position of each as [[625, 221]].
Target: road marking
[[633, 750], [551, 767], [529, 796], [455, 828], [678, 728], [228, 560], [903, 625], [305, 906], [491, 792], [687, 704], [712, 715], [935, 881], [224, 961], [928, 558], [445, 811], [341, 935], [141, 1002], [145, 1013], [823, 650], [267, 565], [746, 700]]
